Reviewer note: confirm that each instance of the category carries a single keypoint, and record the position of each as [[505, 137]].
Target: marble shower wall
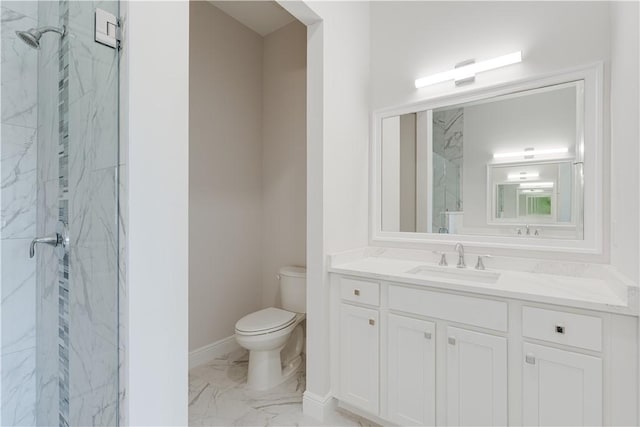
[[92, 118], [448, 140], [18, 164], [36, 110], [93, 220], [47, 374]]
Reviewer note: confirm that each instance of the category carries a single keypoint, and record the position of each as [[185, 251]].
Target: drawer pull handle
[[452, 340], [560, 329], [530, 359], [427, 335], [372, 322], [356, 292]]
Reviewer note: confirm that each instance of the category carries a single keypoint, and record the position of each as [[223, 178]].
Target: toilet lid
[[265, 320]]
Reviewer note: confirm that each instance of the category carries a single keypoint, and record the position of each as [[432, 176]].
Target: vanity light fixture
[[536, 185], [531, 152], [522, 175], [466, 71]]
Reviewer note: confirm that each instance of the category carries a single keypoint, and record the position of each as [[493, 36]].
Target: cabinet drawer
[[576, 330], [480, 312], [360, 291]]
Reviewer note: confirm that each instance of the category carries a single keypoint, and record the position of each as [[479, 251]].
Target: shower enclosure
[[59, 149]]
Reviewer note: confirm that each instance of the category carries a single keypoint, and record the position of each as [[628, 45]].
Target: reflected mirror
[[505, 165]]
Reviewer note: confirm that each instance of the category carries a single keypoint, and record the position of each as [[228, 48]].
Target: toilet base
[[270, 368], [265, 371]]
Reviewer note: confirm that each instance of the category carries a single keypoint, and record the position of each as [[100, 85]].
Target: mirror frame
[[592, 211]]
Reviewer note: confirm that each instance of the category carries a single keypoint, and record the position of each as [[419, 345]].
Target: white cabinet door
[[561, 388], [411, 371], [476, 378], [359, 354]]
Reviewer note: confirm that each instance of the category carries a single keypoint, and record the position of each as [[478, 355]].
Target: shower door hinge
[[108, 31]]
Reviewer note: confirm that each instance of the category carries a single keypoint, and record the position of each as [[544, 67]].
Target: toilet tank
[[293, 288]]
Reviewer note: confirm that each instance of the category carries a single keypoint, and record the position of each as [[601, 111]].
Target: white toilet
[[274, 336]]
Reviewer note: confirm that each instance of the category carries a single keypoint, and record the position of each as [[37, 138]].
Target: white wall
[[337, 160], [158, 247], [225, 173], [284, 148], [414, 39], [625, 137]]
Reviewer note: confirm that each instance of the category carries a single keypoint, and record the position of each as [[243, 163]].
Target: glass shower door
[[59, 165]]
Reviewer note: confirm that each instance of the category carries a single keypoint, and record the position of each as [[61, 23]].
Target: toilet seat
[[265, 321]]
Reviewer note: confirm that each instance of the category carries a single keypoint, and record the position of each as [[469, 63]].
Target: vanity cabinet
[[476, 378], [411, 354], [359, 354], [561, 388], [411, 359]]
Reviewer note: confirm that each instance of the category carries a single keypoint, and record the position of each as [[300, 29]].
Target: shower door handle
[[60, 239]]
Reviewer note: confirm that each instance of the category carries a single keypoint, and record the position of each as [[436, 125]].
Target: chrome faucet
[[460, 250], [480, 263]]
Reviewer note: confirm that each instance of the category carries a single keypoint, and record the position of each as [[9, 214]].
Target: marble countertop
[[588, 286]]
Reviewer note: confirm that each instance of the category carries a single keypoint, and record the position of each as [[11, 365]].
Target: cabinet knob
[[560, 329], [452, 340], [372, 322], [530, 359], [356, 292], [427, 335]]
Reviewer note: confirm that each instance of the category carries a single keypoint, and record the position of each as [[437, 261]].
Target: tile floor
[[218, 397]]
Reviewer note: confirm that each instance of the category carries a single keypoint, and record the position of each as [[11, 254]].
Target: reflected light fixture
[[522, 175], [536, 185], [466, 71], [531, 152]]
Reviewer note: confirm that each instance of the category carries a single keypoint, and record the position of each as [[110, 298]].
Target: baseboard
[[213, 351], [368, 418], [317, 407]]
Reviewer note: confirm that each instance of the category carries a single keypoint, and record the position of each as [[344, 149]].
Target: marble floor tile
[[218, 396]]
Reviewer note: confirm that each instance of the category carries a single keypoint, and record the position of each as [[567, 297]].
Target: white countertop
[[588, 286]]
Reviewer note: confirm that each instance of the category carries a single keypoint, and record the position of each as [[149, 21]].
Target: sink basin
[[452, 273]]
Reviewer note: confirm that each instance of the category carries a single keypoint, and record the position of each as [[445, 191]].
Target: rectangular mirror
[[507, 165]]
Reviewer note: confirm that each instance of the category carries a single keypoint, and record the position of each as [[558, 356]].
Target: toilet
[[274, 336]]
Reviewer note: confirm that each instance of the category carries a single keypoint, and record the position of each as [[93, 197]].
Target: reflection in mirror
[[448, 156], [399, 175], [506, 165], [533, 193]]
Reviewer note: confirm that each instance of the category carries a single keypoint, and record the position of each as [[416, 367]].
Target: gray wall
[[247, 168], [284, 155], [225, 169]]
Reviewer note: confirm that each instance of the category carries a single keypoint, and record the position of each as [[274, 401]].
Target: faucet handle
[[480, 263], [443, 258]]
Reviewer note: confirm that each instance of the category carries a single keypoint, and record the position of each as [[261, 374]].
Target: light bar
[[522, 175], [533, 191], [536, 185], [470, 70], [530, 152]]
